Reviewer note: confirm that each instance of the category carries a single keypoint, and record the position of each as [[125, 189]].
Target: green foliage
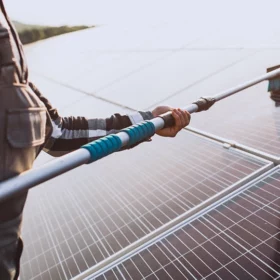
[[22, 26], [34, 34]]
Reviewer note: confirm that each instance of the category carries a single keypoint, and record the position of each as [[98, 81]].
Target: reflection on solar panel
[[81, 218], [239, 239], [259, 115]]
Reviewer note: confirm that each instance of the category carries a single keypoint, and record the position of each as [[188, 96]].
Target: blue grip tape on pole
[[139, 132], [103, 147]]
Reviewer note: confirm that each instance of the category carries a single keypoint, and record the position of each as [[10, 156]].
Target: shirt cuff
[[140, 116]]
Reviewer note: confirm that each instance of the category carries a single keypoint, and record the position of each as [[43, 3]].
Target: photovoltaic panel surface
[[249, 117], [239, 239], [95, 58], [79, 219], [175, 77], [171, 74], [136, 76]]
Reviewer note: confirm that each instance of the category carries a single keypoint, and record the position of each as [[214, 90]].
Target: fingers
[[182, 118], [177, 126], [187, 118]]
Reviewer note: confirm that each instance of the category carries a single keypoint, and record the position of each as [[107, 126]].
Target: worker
[[29, 124], [274, 86]]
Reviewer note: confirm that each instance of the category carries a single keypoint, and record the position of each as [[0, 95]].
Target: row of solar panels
[[237, 239], [86, 216], [82, 218]]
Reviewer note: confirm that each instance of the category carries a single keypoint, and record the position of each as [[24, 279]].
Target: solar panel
[[81, 218], [170, 75], [238, 239], [262, 126], [173, 79], [259, 115], [136, 76], [103, 55]]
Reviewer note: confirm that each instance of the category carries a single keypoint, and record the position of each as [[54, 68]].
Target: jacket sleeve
[[70, 133]]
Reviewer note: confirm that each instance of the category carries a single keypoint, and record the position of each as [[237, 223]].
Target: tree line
[[34, 34]]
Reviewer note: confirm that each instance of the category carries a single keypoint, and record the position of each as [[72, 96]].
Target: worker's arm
[[70, 133]]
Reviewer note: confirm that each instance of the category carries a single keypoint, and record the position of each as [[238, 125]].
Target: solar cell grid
[[263, 134], [240, 239], [77, 221]]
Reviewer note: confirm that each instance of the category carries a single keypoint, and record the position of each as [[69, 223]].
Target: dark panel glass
[[237, 239], [101, 208], [259, 115]]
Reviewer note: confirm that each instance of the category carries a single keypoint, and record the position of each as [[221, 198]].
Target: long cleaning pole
[[112, 143]]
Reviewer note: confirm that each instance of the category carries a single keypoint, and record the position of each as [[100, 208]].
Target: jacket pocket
[[26, 127]]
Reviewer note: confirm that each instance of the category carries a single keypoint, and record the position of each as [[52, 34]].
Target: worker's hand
[[182, 119]]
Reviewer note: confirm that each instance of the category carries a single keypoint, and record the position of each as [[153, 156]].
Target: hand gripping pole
[[202, 104]]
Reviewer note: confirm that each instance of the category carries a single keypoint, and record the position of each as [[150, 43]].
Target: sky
[[94, 12], [59, 12]]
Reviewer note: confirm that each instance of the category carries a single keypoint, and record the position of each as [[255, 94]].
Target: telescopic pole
[[112, 143]]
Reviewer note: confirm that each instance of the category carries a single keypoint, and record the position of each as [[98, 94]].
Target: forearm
[[70, 133]]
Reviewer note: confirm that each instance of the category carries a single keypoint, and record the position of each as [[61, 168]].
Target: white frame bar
[[230, 143]]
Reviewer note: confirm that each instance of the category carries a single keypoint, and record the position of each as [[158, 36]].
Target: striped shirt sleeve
[[70, 133]]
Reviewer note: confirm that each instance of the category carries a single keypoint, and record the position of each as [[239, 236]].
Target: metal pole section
[[31, 178], [35, 176], [247, 84]]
